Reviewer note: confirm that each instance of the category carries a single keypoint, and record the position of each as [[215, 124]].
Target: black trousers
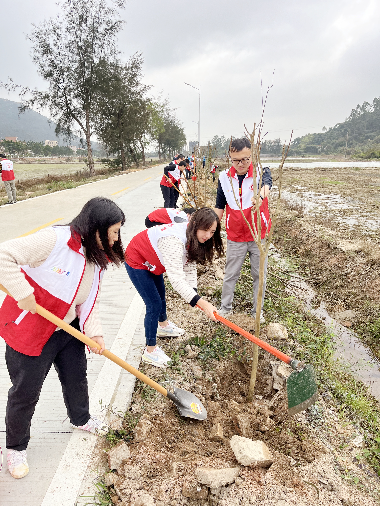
[[168, 194], [175, 194], [28, 374]]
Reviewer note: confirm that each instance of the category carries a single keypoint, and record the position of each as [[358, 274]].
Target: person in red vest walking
[[176, 249], [59, 268], [8, 178], [239, 237]]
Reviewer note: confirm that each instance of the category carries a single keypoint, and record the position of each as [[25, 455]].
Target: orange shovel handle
[[265, 346]]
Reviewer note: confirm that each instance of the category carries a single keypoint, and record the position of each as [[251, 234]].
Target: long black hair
[[203, 253], [97, 215]]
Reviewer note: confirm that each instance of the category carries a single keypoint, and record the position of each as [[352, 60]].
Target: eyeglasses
[[241, 160]]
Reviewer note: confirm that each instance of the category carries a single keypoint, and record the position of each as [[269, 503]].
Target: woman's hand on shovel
[[100, 341], [28, 304], [208, 309]]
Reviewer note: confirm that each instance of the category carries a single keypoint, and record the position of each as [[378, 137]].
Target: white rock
[[348, 315], [117, 455], [277, 331], [215, 478], [142, 429], [219, 273], [358, 442], [251, 453], [284, 370], [144, 499]]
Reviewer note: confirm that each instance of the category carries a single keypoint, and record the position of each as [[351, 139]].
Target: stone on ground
[[118, 455], [215, 478], [216, 433], [276, 331], [142, 429], [251, 453], [143, 499]]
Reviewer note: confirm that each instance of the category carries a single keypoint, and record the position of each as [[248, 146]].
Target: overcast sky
[[324, 54]]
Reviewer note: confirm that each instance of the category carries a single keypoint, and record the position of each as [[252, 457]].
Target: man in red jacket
[[8, 177], [239, 238]]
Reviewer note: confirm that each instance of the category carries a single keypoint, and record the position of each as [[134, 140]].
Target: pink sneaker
[[94, 425], [17, 464]]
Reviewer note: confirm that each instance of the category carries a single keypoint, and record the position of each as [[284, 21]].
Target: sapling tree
[[263, 244]]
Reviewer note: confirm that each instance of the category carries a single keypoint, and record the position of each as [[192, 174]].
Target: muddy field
[[330, 228]]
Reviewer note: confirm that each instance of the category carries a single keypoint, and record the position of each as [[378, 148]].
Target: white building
[[51, 143]]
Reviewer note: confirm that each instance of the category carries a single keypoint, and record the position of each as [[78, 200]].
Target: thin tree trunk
[[142, 152], [89, 147], [122, 156], [255, 348]]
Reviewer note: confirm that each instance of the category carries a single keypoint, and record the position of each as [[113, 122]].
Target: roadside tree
[[122, 110], [67, 51]]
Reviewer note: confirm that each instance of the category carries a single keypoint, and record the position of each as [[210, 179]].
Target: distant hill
[[29, 126], [358, 134]]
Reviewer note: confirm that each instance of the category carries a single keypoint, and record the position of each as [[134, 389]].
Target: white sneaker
[[171, 330], [94, 425], [225, 312], [17, 464], [262, 317], [157, 357]]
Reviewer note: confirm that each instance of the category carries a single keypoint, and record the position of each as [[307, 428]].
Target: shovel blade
[[188, 404], [302, 390]]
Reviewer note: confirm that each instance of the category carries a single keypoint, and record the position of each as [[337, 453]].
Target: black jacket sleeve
[[221, 201], [168, 169], [150, 224]]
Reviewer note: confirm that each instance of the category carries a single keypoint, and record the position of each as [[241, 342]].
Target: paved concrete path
[[59, 458]]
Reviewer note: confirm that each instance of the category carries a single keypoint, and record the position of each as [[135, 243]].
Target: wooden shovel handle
[[92, 344]]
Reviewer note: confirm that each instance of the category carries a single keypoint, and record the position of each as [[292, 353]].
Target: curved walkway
[[60, 458]]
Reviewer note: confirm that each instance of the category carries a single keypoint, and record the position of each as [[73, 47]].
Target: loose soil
[[316, 458]]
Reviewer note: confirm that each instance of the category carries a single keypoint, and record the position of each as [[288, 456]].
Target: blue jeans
[[152, 290]]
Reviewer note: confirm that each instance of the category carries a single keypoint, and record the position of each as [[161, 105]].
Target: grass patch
[[102, 496], [327, 181], [218, 346], [126, 433]]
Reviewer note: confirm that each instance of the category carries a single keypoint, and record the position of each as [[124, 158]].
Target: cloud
[[324, 54]]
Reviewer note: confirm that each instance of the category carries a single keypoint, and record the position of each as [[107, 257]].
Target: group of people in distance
[[178, 167], [61, 269]]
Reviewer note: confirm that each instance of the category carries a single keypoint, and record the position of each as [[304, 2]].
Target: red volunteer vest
[[55, 284], [166, 215], [174, 176], [236, 227], [142, 252], [7, 173]]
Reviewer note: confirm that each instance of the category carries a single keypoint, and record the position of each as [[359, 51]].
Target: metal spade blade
[[188, 404], [301, 389]]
